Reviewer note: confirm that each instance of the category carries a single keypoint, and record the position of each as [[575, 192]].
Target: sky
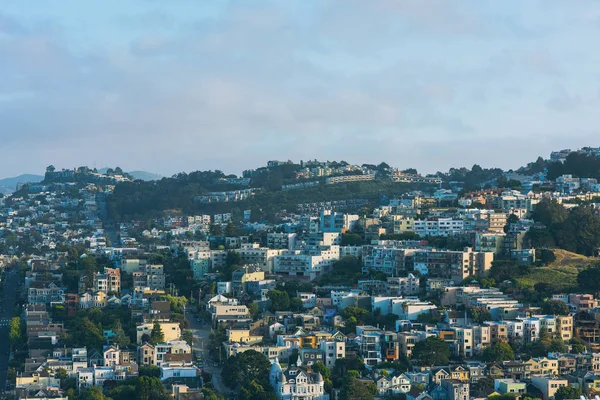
[[170, 86]]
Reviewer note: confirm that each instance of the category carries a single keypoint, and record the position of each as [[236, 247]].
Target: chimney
[[308, 369]]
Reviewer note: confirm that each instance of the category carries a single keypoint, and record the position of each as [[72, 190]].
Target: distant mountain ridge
[[145, 175], [142, 175], [9, 185]]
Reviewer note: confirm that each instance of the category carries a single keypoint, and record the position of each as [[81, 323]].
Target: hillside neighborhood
[[314, 280]]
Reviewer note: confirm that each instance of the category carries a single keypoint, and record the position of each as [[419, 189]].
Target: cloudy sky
[[168, 86]]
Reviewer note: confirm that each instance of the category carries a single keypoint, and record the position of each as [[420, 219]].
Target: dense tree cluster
[[431, 351], [576, 230], [248, 374], [576, 164]]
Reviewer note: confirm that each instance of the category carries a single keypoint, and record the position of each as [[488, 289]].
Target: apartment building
[[333, 221], [299, 264], [388, 259], [108, 281], [438, 226], [151, 276], [455, 265], [264, 257], [281, 241]]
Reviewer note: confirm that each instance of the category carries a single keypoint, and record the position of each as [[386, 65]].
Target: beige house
[[171, 330], [548, 385]]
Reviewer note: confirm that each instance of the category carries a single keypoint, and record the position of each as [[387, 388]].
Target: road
[[12, 280], [107, 224], [201, 332]]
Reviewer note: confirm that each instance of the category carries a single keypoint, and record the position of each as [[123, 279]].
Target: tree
[[549, 212], [120, 338], [567, 392], [325, 373], [93, 393], [545, 256], [352, 239], [577, 346], [296, 304], [354, 389], [480, 314], [150, 388], [245, 367], [230, 230], [157, 335], [150, 370], [432, 351], [484, 386], [499, 352], [589, 278], [215, 230], [255, 390], [557, 346], [280, 300], [210, 394], [253, 309], [15, 331], [555, 307]]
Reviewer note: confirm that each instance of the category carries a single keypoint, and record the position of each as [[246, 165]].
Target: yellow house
[[543, 366], [564, 326], [403, 224], [311, 341], [242, 336], [460, 374]]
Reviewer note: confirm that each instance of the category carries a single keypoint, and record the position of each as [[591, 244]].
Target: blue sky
[[169, 86]]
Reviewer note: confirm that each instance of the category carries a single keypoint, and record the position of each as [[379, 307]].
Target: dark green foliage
[[483, 386], [576, 230], [93, 393], [243, 368], [157, 335], [479, 314], [325, 372], [210, 394], [499, 352], [545, 256], [577, 346], [296, 304], [576, 164], [549, 212], [280, 300], [354, 389], [255, 390], [567, 392], [150, 370], [589, 278], [345, 271], [150, 388], [507, 270], [555, 307], [352, 239], [432, 351]]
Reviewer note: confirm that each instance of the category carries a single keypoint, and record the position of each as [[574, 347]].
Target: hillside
[[560, 274], [143, 200], [9, 185], [145, 175]]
